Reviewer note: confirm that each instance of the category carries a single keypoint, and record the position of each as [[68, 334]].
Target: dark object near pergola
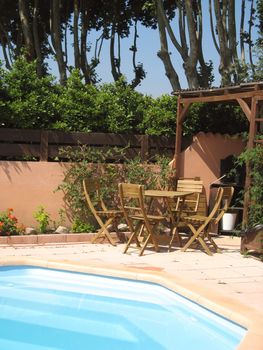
[[250, 98]]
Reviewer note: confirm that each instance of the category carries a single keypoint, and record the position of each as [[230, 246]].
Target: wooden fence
[[44, 145]]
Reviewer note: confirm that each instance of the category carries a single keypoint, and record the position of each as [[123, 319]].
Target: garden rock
[[30, 231], [62, 229], [122, 227]]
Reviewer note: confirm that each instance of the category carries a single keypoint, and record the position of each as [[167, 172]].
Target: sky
[[155, 83]]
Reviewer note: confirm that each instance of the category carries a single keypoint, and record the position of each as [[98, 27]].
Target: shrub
[[159, 117], [8, 224], [77, 106], [120, 107], [87, 162], [31, 100]]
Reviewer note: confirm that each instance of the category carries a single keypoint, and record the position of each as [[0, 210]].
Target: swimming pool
[[45, 309]]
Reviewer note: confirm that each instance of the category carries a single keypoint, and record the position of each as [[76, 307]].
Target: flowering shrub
[[8, 224]]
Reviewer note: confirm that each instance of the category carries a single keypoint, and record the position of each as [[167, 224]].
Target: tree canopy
[[45, 29]]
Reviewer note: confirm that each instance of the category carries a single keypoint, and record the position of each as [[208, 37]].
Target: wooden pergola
[[249, 96]]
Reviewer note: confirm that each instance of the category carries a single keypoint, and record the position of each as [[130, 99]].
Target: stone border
[[47, 238], [237, 312]]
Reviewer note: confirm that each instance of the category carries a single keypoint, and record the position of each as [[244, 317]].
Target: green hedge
[[27, 101]]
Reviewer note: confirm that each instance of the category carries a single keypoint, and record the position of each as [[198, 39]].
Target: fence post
[[44, 145], [145, 147]]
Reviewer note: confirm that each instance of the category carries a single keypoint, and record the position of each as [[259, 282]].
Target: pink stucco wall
[[203, 157], [26, 185]]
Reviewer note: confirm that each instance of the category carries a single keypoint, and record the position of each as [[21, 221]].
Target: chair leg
[[217, 249], [176, 235], [150, 235], [134, 236], [192, 239], [156, 247], [103, 232], [197, 237], [204, 245]]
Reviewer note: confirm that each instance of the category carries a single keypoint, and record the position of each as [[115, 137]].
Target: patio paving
[[229, 273]]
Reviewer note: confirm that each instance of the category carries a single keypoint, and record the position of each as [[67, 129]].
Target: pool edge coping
[[227, 307]]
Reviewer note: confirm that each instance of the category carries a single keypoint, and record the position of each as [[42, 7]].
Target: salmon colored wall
[[26, 185], [203, 157]]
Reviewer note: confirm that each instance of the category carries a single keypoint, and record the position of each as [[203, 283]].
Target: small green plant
[[62, 217], [42, 217], [82, 227], [9, 225]]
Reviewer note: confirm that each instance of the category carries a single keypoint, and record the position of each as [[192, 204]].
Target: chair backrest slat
[[190, 185]]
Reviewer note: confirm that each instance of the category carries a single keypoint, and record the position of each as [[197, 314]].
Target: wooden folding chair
[[188, 205], [199, 225], [191, 202], [141, 224], [99, 210]]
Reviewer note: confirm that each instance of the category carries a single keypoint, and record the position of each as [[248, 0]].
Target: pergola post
[[181, 114], [250, 145]]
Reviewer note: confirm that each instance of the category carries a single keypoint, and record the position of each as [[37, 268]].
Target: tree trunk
[[83, 45], [191, 62], [138, 69], [25, 24], [164, 55], [233, 40], [115, 65], [241, 34], [250, 44], [3, 44], [76, 34], [36, 38], [206, 78], [225, 60], [56, 39]]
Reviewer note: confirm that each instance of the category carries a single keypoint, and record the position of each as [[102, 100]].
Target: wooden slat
[[93, 139], [17, 150], [19, 135], [161, 141], [190, 185]]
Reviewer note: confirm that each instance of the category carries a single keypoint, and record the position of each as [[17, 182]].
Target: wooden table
[[166, 196]]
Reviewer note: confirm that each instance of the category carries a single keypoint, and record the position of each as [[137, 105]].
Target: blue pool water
[[44, 309]]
